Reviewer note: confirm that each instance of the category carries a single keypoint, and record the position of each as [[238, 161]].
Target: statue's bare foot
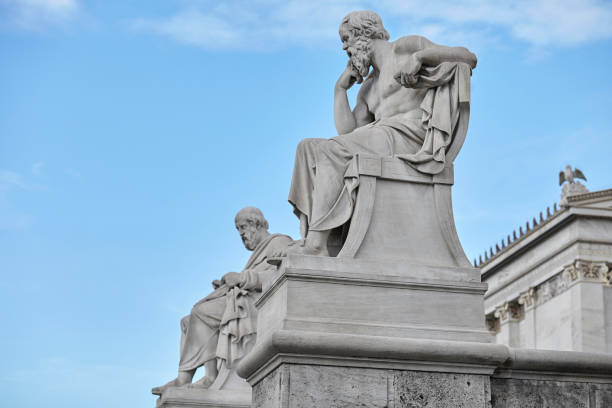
[[305, 248], [160, 390], [204, 382]]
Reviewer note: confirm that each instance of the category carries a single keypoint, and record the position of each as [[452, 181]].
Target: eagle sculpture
[[569, 175]]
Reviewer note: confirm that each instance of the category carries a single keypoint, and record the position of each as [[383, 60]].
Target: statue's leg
[[303, 226], [302, 182]]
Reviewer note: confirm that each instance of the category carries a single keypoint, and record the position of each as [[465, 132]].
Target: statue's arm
[[345, 119], [252, 279], [431, 54], [440, 53], [415, 52]]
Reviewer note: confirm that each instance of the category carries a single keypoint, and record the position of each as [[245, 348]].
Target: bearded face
[[360, 56], [249, 233], [358, 51]]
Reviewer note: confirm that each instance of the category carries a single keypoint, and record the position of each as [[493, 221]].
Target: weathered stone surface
[[269, 391], [524, 393], [309, 386], [441, 390], [321, 386], [600, 396]]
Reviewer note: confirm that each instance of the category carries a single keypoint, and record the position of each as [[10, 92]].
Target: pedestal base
[[297, 385], [179, 397], [358, 333]]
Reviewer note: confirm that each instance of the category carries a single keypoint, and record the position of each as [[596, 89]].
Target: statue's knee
[[327, 148], [308, 145]]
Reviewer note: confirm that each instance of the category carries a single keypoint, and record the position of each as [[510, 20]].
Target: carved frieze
[[509, 311], [577, 271], [492, 323], [607, 274], [527, 298], [586, 270], [554, 286]]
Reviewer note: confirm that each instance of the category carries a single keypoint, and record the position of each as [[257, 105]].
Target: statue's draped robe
[[325, 175], [223, 324]]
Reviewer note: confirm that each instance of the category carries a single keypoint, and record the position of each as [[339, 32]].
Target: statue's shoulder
[[411, 44]]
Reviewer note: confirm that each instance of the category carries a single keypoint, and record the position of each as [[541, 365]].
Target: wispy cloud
[[14, 180], [257, 25], [36, 15], [11, 179], [271, 23]]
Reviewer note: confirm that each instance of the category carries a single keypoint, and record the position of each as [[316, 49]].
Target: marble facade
[[551, 288]]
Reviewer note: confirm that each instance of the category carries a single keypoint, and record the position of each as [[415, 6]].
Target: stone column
[[527, 326], [585, 281], [509, 315]]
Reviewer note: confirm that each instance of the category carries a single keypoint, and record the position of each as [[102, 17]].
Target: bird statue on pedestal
[[573, 187], [569, 175]]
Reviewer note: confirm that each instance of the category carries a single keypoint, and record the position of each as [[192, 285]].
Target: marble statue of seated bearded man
[[406, 107], [221, 327]]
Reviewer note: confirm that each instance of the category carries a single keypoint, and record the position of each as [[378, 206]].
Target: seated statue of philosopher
[[407, 107], [221, 328]]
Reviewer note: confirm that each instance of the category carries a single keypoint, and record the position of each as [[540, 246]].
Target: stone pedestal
[[301, 385], [374, 298], [198, 398], [350, 332], [344, 332], [228, 390]]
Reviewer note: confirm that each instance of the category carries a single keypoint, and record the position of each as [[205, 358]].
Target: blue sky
[[132, 132]]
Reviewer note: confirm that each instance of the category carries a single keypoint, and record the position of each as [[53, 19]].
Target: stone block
[[441, 390], [529, 393], [394, 299], [310, 386], [180, 397]]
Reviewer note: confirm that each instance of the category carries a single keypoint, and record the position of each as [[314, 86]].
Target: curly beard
[[360, 57]]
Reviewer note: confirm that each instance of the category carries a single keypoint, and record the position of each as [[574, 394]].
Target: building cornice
[[539, 234]]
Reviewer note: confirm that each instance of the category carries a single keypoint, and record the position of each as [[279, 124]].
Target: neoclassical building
[[550, 283]]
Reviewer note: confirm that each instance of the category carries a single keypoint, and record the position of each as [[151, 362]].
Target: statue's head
[[252, 226], [357, 31]]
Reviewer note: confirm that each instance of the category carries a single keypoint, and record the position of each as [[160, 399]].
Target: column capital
[[509, 311]]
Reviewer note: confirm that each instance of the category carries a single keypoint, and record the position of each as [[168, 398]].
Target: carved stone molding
[[577, 271], [509, 311], [554, 286], [607, 274], [492, 322], [527, 298], [586, 270]]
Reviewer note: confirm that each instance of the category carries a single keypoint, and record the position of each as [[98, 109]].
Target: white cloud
[[14, 180], [38, 14], [270, 23], [11, 179]]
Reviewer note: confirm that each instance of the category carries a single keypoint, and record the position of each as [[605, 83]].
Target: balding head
[[252, 226]]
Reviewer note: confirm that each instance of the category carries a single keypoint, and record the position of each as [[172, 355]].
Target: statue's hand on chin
[[348, 77]]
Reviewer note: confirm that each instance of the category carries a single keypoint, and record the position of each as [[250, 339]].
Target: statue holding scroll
[[407, 107]]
